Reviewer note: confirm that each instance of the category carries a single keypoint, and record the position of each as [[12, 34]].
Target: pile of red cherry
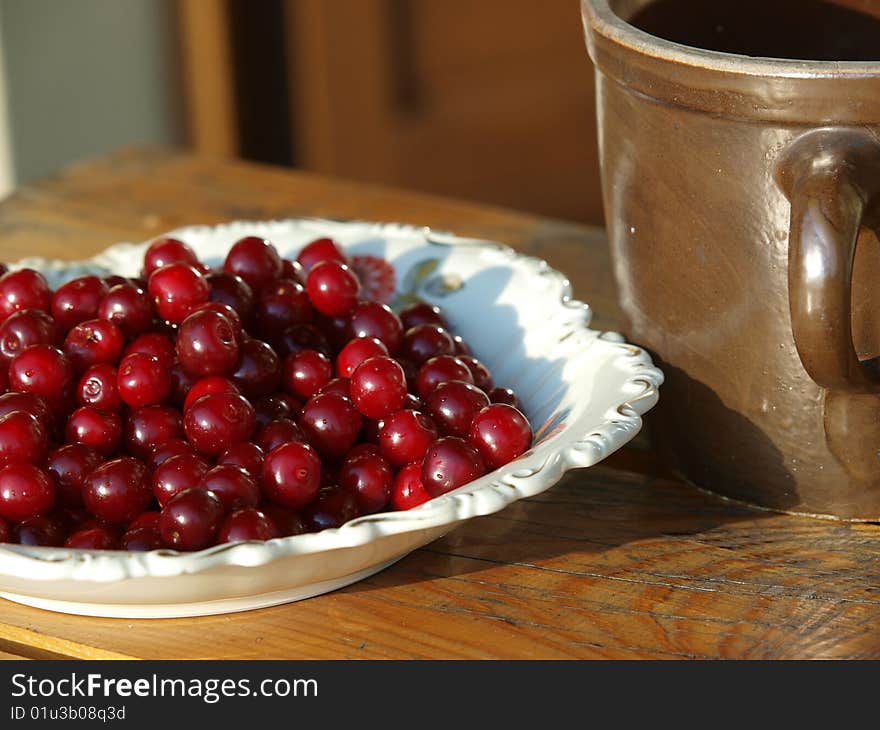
[[264, 398]]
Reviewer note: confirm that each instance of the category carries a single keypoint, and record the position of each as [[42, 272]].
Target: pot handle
[[831, 177]]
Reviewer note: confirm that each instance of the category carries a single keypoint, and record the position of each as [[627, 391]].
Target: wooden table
[[616, 561]]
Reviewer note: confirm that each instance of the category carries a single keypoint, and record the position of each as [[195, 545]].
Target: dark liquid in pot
[[799, 29]]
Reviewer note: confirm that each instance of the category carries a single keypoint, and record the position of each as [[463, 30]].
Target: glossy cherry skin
[[207, 344], [378, 387], [191, 520], [25, 328], [23, 289], [129, 308], [369, 478], [481, 375], [226, 311], [23, 439], [167, 250], [142, 380], [77, 301], [42, 370], [282, 304], [93, 342], [233, 486], [441, 369], [333, 288], [374, 319], [331, 424], [99, 430], [154, 344], [118, 491], [355, 352], [291, 475], [5, 532], [217, 421], [300, 337], [333, 508], [259, 370], [405, 436], [97, 388], [233, 291], [408, 490], [245, 455], [247, 524], [293, 270], [286, 521], [25, 491], [206, 386], [68, 466], [504, 395], [93, 538], [164, 451], [500, 433], [276, 406], [28, 402], [422, 313], [177, 474], [337, 330], [275, 433], [338, 385], [175, 289], [45, 530], [147, 427], [321, 249], [449, 463], [141, 539], [453, 406], [461, 347], [305, 372], [425, 341], [255, 260]]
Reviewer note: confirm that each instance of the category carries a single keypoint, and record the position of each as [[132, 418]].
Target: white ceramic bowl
[[583, 391]]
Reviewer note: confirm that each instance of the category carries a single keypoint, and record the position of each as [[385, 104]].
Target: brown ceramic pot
[[741, 195]]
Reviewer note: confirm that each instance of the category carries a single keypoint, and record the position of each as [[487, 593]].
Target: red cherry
[[374, 319], [23, 439], [164, 451], [453, 406], [321, 249], [369, 478], [441, 369], [244, 455], [42, 370], [482, 378], [5, 532], [405, 436], [154, 344], [282, 304], [99, 430], [355, 352], [275, 433], [97, 388], [206, 386], [118, 490], [333, 508], [500, 433], [28, 402], [93, 342], [233, 291], [293, 270], [449, 463], [226, 311], [217, 421], [142, 380], [285, 520], [305, 372], [23, 329], [175, 289], [425, 341], [259, 369], [378, 387], [504, 395], [336, 330], [292, 475], [177, 474], [191, 520], [333, 288], [45, 530], [23, 289], [331, 424], [408, 490], [145, 519], [167, 250], [147, 427], [300, 337], [68, 466], [255, 260], [206, 344], [25, 491], [93, 538], [421, 313], [141, 539], [77, 301], [234, 487], [275, 407], [247, 524], [129, 308], [338, 385]]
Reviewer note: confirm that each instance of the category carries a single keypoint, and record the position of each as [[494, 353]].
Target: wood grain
[[617, 561]]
